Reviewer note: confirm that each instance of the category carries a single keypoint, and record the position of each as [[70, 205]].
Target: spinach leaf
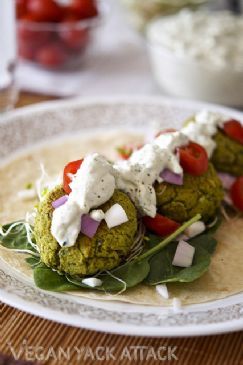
[[47, 279], [14, 236], [32, 261], [132, 273], [162, 270], [146, 267], [205, 241], [123, 277]]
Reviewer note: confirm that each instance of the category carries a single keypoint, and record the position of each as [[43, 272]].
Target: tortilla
[[224, 277]]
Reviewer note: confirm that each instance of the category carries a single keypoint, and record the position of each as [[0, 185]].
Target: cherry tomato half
[[237, 193], [45, 10], [193, 159], [160, 225], [70, 169], [234, 130]]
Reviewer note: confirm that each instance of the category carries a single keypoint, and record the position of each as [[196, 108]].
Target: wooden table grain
[[36, 340]]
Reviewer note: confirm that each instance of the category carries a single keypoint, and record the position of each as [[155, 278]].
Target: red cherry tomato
[[51, 55], [29, 18], [69, 15], [125, 151], [21, 8], [26, 51], [161, 225], [234, 130], [84, 8], [237, 193], [193, 159], [70, 169], [31, 36], [45, 10], [74, 38]]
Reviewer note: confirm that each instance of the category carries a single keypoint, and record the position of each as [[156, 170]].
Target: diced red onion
[[226, 179], [171, 177], [183, 255], [89, 226], [57, 203]]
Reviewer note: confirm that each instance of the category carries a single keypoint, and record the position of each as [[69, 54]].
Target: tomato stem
[[170, 238]]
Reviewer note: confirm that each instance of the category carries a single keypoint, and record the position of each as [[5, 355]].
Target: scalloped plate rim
[[119, 328]]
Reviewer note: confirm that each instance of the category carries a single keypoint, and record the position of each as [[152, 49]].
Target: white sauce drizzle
[[137, 175], [96, 180], [203, 127], [93, 185]]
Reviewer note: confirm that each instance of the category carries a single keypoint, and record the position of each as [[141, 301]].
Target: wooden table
[[47, 342]]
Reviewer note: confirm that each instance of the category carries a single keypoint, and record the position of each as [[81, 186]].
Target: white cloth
[[117, 63]]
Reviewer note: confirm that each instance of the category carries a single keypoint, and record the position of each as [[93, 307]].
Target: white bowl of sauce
[[199, 55]]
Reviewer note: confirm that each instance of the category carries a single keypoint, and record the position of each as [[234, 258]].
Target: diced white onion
[[97, 215], [195, 229], [181, 237], [176, 305], [92, 282], [162, 290], [115, 216], [183, 255]]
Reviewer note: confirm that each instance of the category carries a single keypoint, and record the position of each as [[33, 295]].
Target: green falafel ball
[[199, 194], [104, 251], [228, 155]]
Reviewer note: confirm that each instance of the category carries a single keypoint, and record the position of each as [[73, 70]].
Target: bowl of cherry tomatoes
[[55, 34]]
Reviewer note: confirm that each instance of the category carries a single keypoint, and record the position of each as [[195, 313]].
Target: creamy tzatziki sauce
[[203, 128], [93, 185], [213, 38], [137, 175], [96, 180]]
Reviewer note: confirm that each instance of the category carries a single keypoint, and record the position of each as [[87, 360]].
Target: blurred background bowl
[[184, 77], [180, 74], [141, 12], [60, 43]]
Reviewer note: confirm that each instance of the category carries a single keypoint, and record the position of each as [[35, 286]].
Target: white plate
[[34, 124]]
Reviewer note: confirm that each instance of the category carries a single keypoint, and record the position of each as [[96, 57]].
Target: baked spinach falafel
[[228, 155], [104, 251], [198, 194]]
